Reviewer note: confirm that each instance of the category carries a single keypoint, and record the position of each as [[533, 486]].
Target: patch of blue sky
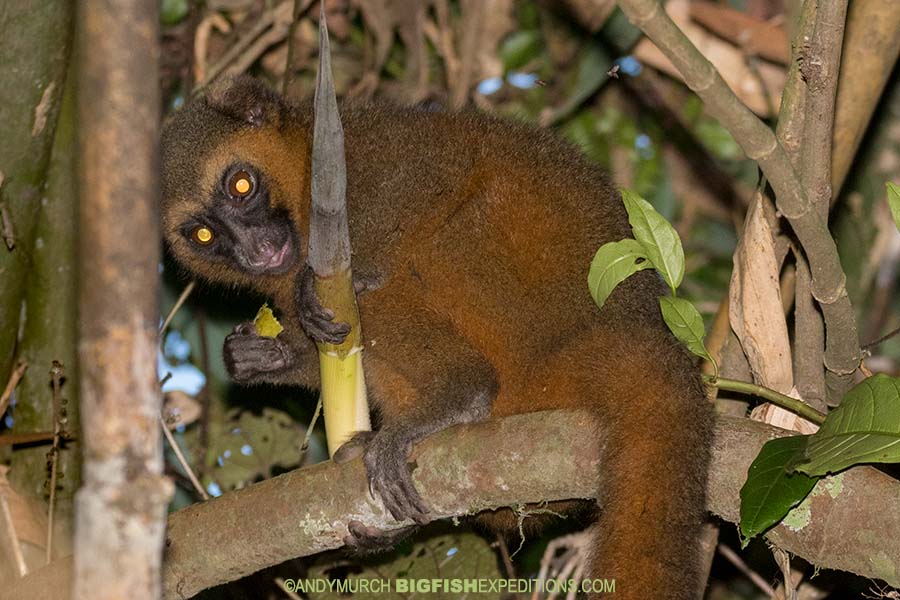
[[176, 346], [9, 420], [644, 145], [630, 65], [490, 86], [524, 81], [185, 377]]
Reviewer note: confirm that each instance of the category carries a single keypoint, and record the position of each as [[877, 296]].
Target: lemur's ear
[[249, 100]]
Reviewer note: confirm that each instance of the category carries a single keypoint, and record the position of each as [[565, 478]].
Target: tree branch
[[524, 458], [820, 64], [760, 144], [120, 506], [809, 328]]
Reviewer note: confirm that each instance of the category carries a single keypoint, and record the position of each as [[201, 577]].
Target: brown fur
[[480, 231]]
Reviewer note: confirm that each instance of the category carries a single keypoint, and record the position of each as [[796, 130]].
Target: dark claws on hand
[[317, 320]]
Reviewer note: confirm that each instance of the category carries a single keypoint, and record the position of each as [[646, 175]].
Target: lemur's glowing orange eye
[[202, 235], [240, 184]]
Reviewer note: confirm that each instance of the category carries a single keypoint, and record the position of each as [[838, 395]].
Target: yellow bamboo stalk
[[343, 386], [343, 392]]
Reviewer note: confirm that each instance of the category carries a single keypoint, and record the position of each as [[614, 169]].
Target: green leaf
[[245, 447], [520, 48], [865, 428], [893, 197], [771, 490], [658, 238], [612, 264], [172, 12], [686, 323]]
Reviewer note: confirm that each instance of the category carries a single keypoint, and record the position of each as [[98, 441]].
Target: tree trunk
[[120, 508]]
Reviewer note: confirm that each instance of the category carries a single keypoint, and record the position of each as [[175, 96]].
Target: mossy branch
[[505, 462]]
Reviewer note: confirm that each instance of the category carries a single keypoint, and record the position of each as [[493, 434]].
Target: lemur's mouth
[[268, 258]]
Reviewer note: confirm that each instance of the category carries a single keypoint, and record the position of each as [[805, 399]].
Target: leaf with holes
[[686, 323], [771, 490], [865, 428], [613, 263], [450, 558], [658, 238]]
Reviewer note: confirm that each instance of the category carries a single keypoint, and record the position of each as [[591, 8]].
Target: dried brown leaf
[[764, 38], [756, 312], [179, 409]]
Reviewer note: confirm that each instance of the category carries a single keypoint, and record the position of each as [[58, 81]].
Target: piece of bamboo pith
[[343, 390]]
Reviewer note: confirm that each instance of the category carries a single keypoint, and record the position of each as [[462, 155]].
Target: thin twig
[[165, 378], [291, 595], [184, 295], [776, 398], [507, 560], [573, 559], [56, 373], [205, 394], [881, 340], [300, 7], [30, 437], [244, 44], [733, 557], [553, 567], [310, 428], [201, 41], [14, 378], [181, 459], [275, 34], [9, 234], [577, 576], [784, 564]]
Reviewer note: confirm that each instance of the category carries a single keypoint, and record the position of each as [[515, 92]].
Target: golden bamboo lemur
[[471, 238]]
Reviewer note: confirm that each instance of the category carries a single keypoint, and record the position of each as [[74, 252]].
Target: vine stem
[[776, 398]]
